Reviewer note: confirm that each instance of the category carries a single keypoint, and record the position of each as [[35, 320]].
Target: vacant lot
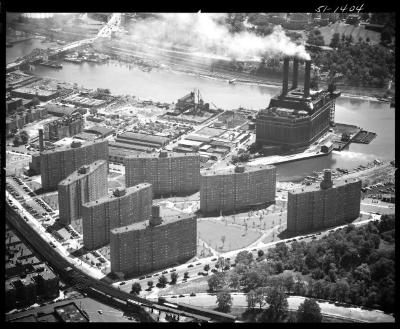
[[235, 237]]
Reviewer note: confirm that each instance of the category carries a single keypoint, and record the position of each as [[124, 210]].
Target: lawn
[[236, 237]]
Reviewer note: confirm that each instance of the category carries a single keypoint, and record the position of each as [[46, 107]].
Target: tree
[[223, 240], [24, 136], [136, 288], [216, 281], [335, 41], [162, 280], [220, 263], [260, 295], [17, 141], [174, 277], [260, 253], [250, 281], [35, 101], [251, 299], [150, 284], [278, 305], [244, 257], [342, 290], [234, 281], [309, 311], [362, 273], [186, 275], [288, 282], [224, 301], [206, 267]]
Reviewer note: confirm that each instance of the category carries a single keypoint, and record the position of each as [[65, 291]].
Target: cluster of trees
[[361, 64], [315, 38], [242, 157], [21, 138], [388, 20], [346, 266], [162, 282]]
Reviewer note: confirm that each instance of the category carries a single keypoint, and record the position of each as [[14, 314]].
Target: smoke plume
[[206, 33]]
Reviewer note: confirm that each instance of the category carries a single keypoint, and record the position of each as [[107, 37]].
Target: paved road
[[239, 300]]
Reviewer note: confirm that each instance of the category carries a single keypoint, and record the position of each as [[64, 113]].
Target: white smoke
[[208, 33]]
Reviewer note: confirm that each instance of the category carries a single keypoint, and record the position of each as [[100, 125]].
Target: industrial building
[[18, 121], [60, 110], [297, 117], [154, 244], [67, 126], [168, 173], [86, 184], [232, 189], [318, 207], [43, 95], [123, 207], [55, 165]]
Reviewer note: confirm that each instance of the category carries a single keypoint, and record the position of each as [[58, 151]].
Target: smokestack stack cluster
[[285, 85], [307, 78], [41, 142], [295, 73]]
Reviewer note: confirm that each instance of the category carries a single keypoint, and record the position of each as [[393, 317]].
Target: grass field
[[235, 236]]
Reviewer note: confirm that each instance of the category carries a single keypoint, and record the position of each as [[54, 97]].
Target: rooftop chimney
[[239, 169], [41, 143], [163, 154], [84, 169], [155, 218], [307, 77], [295, 72], [119, 192], [285, 85], [327, 181]]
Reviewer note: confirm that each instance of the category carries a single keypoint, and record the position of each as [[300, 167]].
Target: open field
[[235, 236]]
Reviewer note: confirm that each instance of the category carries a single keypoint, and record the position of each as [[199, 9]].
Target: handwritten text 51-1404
[[345, 8]]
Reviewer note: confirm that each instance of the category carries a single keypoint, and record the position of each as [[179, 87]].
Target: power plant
[[297, 117]]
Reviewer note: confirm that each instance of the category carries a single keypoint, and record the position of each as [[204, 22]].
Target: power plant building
[[232, 189], [123, 207], [168, 173], [297, 117], [154, 244], [318, 207], [56, 165], [86, 184]]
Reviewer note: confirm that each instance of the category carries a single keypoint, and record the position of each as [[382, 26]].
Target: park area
[[223, 237]]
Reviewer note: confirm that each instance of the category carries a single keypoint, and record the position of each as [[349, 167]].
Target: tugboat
[[232, 81]]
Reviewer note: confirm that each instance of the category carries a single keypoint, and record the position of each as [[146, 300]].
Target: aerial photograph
[[200, 167]]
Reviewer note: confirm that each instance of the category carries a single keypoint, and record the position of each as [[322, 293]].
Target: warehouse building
[[86, 184], [318, 207], [55, 165], [232, 189], [43, 95], [168, 173], [151, 245], [123, 207]]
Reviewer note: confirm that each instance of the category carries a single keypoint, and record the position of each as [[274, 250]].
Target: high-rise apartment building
[[55, 165], [317, 207], [154, 244], [86, 184], [123, 207], [232, 189], [168, 173]]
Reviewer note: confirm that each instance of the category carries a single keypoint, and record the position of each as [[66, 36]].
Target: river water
[[168, 86]]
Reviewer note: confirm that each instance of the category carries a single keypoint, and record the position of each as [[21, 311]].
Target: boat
[[232, 81]]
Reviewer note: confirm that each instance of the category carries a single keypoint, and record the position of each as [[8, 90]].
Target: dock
[[51, 64]]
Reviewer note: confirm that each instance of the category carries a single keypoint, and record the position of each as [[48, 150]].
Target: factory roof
[[145, 137], [128, 191], [316, 187], [100, 130], [60, 110], [78, 174], [232, 170], [162, 154], [120, 152], [35, 91]]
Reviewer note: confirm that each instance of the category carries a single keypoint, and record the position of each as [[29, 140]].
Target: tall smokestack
[[285, 85], [307, 77], [295, 73], [41, 142], [327, 181]]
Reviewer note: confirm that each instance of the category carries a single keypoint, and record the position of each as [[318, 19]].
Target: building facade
[[168, 173], [317, 207], [236, 188], [86, 184], [123, 207], [55, 165], [297, 117], [152, 245]]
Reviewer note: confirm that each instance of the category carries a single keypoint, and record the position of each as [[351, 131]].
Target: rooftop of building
[[233, 170], [168, 216], [82, 172], [144, 137], [35, 91], [100, 130], [316, 187], [74, 145], [60, 109], [127, 191], [163, 154]]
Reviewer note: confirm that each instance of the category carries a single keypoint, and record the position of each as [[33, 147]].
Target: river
[[168, 86]]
